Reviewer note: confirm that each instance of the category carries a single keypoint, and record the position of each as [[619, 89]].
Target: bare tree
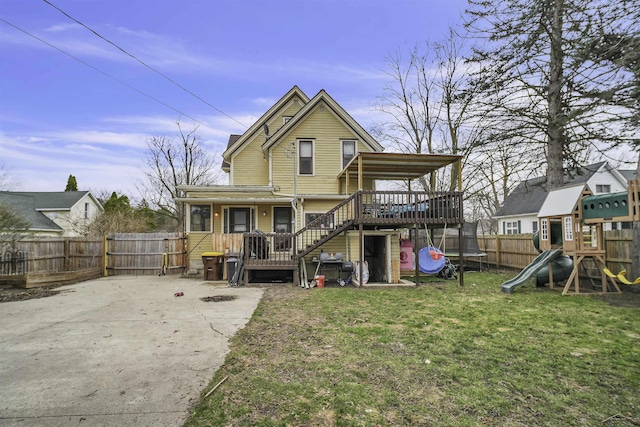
[[411, 102], [7, 180], [12, 229], [171, 162]]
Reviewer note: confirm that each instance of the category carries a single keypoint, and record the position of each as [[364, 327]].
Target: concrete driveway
[[120, 351]]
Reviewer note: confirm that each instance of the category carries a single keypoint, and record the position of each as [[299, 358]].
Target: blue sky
[[58, 116]]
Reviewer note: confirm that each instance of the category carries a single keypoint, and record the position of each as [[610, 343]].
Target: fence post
[[67, 250], [105, 251], [498, 255]]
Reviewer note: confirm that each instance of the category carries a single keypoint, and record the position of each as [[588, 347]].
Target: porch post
[[360, 184], [461, 238], [361, 255], [462, 249], [417, 249]]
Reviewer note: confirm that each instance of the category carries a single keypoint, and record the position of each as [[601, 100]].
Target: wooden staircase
[[326, 227]]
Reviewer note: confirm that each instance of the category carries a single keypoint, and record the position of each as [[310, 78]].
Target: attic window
[[286, 119], [602, 188]]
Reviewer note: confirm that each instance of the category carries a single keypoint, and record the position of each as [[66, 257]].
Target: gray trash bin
[[231, 268]]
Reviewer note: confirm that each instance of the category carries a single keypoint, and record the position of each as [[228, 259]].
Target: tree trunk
[[635, 248], [556, 122]]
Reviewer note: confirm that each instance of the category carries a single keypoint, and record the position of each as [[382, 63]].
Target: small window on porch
[[200, 218], [240, 220], [326, 222]]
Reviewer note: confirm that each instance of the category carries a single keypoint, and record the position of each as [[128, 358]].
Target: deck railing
[[369, 208]]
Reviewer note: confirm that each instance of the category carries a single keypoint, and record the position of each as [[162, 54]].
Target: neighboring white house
[[519, 212], [53, 213]]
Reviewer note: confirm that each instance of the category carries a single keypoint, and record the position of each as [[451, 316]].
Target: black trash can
[[231, 268], [212, 263]]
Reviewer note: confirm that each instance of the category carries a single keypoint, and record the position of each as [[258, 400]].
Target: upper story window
[[601, 188], [286, 119], [348, 151], [86, 211], [305, 163], [200, 218]]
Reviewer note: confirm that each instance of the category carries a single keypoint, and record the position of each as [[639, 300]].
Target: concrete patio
[[118, 351]]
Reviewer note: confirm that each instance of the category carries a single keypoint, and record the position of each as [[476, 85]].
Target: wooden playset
[[571, 220]]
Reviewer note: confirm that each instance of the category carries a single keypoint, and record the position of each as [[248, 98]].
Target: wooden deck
[[369, 209]]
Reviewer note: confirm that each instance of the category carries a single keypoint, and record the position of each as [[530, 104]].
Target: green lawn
[[436, 355]]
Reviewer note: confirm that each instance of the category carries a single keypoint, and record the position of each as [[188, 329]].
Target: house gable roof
[[56, 200], [529, 196], [323, 97], [232, 140], [24, 205], [237, 143]]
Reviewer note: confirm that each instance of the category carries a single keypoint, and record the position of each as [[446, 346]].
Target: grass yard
[[435, 355]]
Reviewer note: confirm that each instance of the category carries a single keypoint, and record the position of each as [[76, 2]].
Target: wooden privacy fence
[[144, 254], [517, 250], [46, 261]]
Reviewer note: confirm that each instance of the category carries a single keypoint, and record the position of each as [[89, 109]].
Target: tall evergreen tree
[[72, 184]]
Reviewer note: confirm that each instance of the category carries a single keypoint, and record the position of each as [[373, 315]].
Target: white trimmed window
[[511, 227], [326, 222], [602, 188], [544, 229], [200, 218], [568, 228], [239, 220], [305, 157], [348, 151]]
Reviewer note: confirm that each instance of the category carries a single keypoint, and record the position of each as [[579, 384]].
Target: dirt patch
[[218, 298], [20, 294]]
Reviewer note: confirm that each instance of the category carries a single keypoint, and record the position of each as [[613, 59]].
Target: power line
[[143, 63], [101, 72]]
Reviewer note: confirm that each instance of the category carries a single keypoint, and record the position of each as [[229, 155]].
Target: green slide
[[529, 271]]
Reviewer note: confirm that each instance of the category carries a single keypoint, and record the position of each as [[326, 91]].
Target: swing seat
[[611, 274], [435, 254]]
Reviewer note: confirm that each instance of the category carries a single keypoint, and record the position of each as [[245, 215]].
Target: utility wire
[[143, 63], [101, 72]]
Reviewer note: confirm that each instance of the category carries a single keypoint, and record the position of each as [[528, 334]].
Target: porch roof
[[396, 166]]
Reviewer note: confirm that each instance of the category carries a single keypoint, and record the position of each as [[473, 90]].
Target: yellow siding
[[327, 131], [248, 166], [198, 242]]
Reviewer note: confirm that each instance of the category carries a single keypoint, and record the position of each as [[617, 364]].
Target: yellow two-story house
[[302, 186]]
